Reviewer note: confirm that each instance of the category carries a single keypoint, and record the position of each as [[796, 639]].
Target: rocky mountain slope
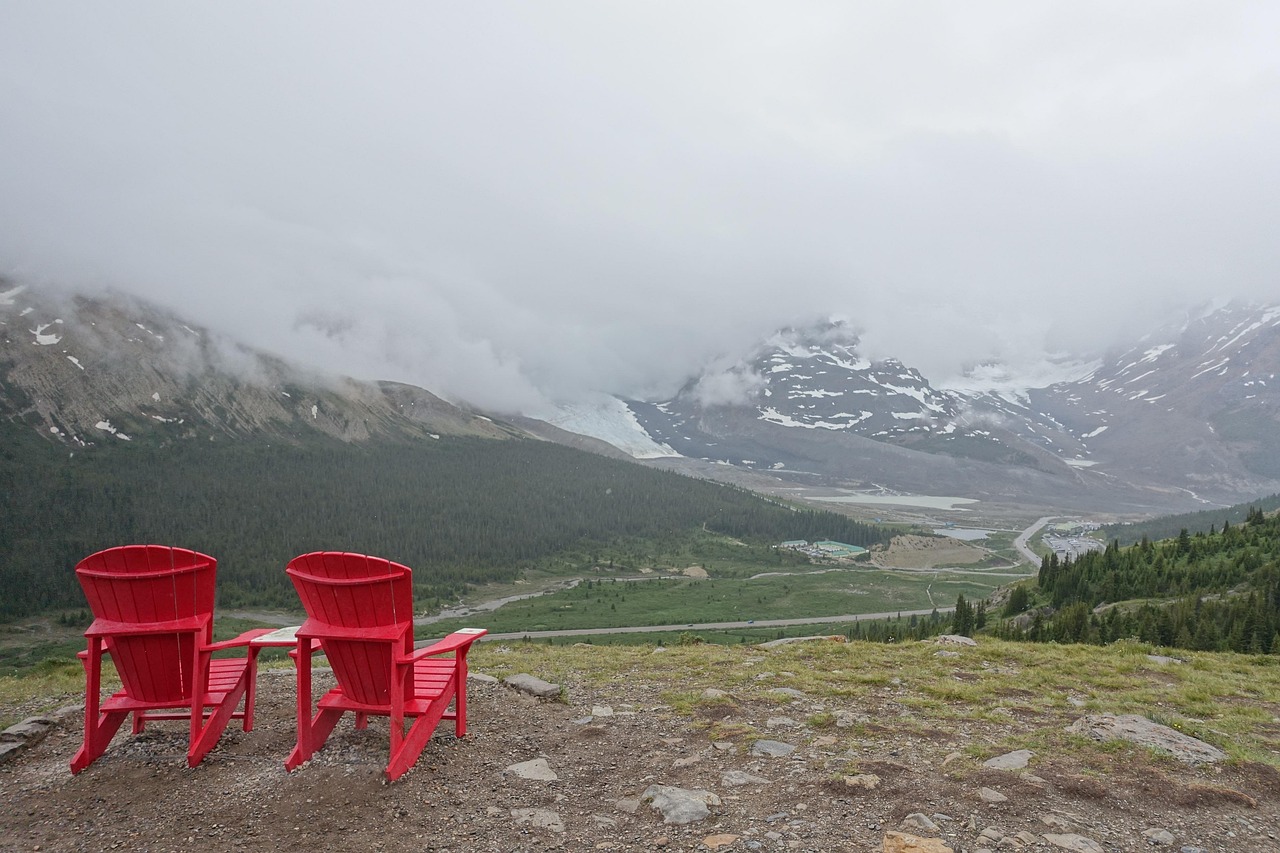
[[1182, 419], [83, 371], [1188, 415]]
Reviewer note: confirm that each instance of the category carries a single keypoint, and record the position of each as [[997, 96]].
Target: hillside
[[458, 510], [885, 738], [1215, 591], [91, 371], [1205, 521]]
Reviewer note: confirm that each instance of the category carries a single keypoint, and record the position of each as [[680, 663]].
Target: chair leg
[[251, 691], [96, 738], [212, 728], [312, 742], [405, 754]]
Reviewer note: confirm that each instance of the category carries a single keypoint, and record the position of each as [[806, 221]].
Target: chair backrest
[[345, 594], [145, 584]]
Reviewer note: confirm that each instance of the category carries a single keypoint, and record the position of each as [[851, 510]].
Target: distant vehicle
[[751, 621]]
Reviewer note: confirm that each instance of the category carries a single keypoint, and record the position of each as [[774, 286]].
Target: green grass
[[1003, 695], [610, 603], [1028, 693]]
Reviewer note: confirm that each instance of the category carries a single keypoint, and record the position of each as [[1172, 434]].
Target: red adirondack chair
[[153, 614], [360, 614]]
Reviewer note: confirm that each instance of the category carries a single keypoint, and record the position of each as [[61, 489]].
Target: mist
[[516, 204]]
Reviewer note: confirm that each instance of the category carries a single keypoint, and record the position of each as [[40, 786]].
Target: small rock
[[539, 819], [733, 778], [10, 750], [1144, 732], [866, 781], [786, 641], [920, 821], [1075, 842], [848, 719], [955, 640], [1015, 760], [525, 683], [481, 678], [990, 795], [714, 693], [715, 842], [601, 711], [1158, 836], [901, 842], [772, 748], [30, 731], [680, 805], [789, 692], [537, 770]]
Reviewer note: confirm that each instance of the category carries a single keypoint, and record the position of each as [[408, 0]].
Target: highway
[[1021, 542], [716, 626]]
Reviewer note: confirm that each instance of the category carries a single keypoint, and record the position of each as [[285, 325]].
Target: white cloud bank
[[509, 202]]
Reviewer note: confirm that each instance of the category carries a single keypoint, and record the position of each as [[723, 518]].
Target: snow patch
[[45, 340], [75, 361], [106, 426], [611, 420]]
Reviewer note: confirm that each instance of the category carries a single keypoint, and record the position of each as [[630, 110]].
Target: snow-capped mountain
[[1192, 411], [1188, 415]]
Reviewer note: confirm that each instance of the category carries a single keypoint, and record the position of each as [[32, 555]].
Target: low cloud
[[515, 205], [733, 387]]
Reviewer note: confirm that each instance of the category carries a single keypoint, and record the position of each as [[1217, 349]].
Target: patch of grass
[[1029, 691], [612, 602]]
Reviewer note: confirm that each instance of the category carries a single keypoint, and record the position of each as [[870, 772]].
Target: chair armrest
[[107, 628], [314, 629], [242, 640], [458, 640]]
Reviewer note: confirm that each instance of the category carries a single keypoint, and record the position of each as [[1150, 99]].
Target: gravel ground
[[462, 796]]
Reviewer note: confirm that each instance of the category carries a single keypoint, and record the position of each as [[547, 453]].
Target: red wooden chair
[[360, 614], [153, 614]]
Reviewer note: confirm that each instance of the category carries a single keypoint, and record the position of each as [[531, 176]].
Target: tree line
[[459, 511], [1214, 591]]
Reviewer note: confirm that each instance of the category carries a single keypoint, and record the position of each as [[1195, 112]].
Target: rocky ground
[[604, 768]]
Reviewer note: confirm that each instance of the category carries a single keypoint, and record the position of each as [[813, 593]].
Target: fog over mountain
[[512, 204]]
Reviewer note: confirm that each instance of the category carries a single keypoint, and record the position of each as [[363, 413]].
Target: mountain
[[87, 370], [1185, 417], [1182, 419]]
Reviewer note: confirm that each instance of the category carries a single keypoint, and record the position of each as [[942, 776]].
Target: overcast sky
[[513, 202]]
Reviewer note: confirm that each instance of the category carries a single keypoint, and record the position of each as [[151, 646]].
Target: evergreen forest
[[1215, 591], [459, 511]]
